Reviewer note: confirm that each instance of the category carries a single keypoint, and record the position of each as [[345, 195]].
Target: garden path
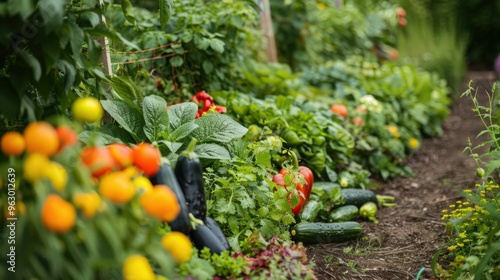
[[409, 234]]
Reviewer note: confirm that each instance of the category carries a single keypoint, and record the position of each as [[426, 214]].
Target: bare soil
[[409, 234]]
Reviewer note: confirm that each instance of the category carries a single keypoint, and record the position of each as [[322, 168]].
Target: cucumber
[[310, 211], [357, 197], [344, 213], [313, 233]]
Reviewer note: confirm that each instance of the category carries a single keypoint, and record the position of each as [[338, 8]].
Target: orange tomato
[[67, 137], [121, 154], [357, 121], [339, 109], [41, 138], [117, 187], [58, 215], [147, 158], [161, 203], [13, 143], [401, 12], [98, 160]]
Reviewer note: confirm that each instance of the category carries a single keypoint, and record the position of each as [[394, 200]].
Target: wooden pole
[[266, 24], [105, 56]]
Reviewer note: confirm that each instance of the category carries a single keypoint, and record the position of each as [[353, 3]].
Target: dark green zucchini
[[343, 214], [190, 177], [310, 211], [212, 224], [357, 197], [203, 236], [313, 233], [166, 176]]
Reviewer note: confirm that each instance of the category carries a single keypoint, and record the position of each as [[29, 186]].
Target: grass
[[439, 49]]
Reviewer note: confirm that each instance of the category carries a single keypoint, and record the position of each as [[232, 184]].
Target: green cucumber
[[313, 233], [344, 213], [357, 197], [310, 211]]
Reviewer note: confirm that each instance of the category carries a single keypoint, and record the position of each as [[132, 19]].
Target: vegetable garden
[[159, 140]]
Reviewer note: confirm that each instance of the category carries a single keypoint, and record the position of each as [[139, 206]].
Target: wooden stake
[[105, 56], [266, 24]]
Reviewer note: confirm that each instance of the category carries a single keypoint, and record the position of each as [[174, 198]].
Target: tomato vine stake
[[267, 29], [105, 56]]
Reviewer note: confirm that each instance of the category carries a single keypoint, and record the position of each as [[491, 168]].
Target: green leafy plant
[[171, 128]]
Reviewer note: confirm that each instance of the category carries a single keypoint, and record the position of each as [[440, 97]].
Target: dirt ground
[[409, 234]]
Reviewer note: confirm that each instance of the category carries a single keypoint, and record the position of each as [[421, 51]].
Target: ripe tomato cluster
[[206, 102], [117, 156]]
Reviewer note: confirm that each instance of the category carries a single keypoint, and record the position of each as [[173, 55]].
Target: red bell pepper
[[303, 190]]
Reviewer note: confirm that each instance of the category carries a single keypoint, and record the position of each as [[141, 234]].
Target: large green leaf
[[182, 131], [212, 151], [69, 72], [125, 87], [155, 116], [127, 116], [22, 7], [181, 113], [128, 11], [172, 146], [99, 139], [218, 128], [217, 45], [32, 62], [52, 12], [165, 12]]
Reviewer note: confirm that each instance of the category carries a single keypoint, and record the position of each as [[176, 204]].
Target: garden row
[[202, 143]]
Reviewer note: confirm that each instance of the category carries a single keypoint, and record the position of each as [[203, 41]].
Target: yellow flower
[[452, 247], [462, 235], [413, 143], [321, 6]]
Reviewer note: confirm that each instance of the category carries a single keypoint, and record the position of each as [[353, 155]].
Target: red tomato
[[147, 158], [121, 154], [67, 136], [98, 160], [339, 109], [402, 22]]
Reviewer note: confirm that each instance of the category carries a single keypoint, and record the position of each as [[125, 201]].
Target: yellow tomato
[[34, 167], [87, 109], [143, 184], [57, 175], [88, 202], [137, 267], [178, 245]]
